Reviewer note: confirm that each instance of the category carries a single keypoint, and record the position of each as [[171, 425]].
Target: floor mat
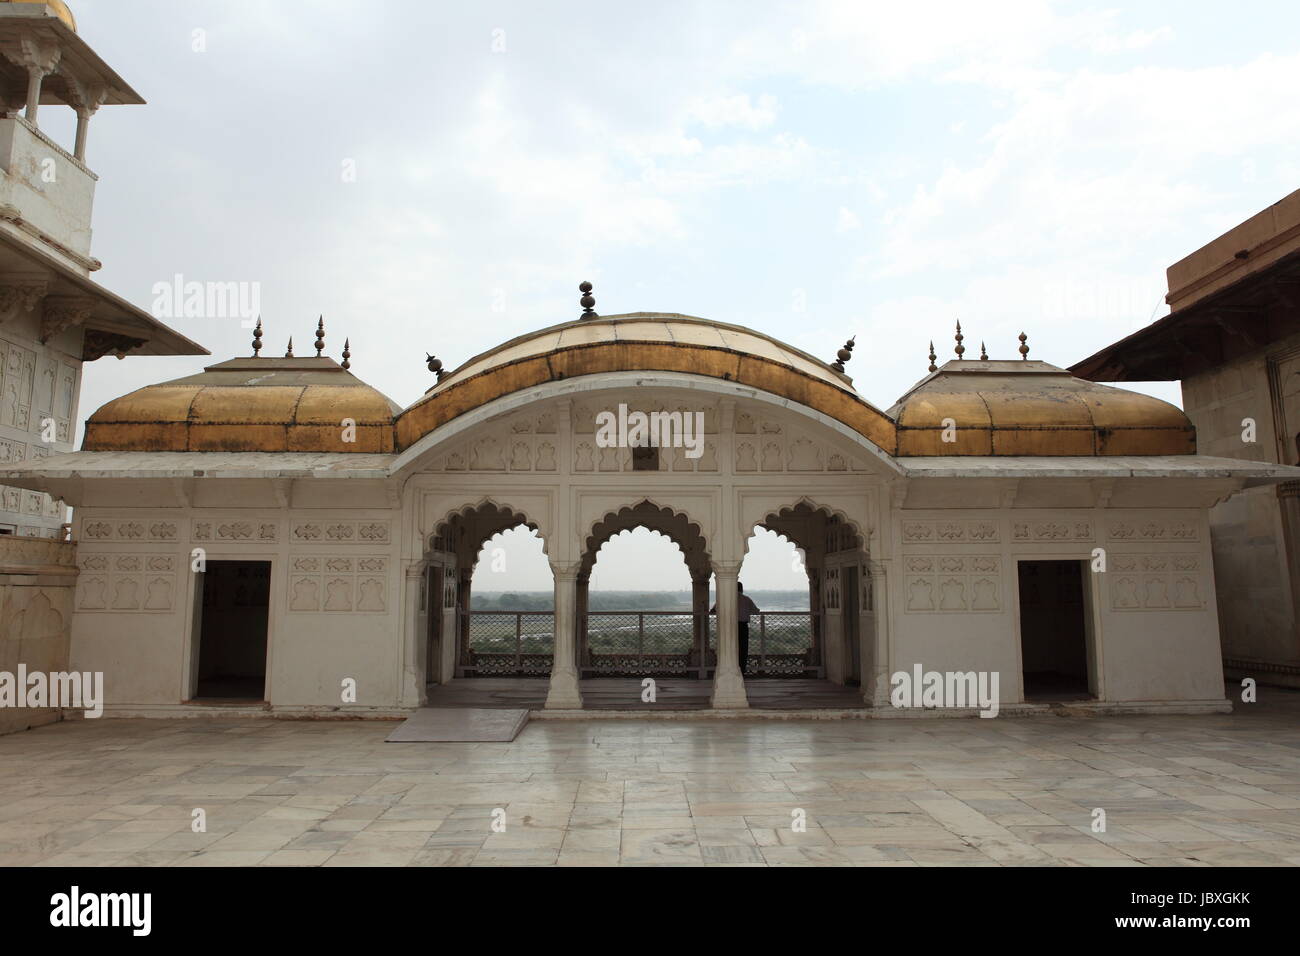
[[460, 724]]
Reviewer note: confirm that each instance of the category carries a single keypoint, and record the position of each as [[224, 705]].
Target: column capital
[[565, 570], [726, 568], [32, 55]]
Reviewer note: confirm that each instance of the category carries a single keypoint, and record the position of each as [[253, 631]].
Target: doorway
[[234, 605], [1054, 630]]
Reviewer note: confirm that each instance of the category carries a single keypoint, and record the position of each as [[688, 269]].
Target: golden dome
[[645, 341], [249, 404], [1033, 408], [1001, 408], [59, 8]]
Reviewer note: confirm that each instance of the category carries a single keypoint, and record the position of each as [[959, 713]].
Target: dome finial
[[320, 336], [961, 349], [843, 355], [257, 338], [435, 365], [587, 301], [347, 354], [933, 367], [984, 354], [1024, 349], [288, 353]]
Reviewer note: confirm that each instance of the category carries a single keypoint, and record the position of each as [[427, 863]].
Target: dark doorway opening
[[234, 602], [1054, 630]]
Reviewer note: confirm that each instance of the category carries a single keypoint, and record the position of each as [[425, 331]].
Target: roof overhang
[[1117, 481], [78, 63], [111, 322], [1231, 297]]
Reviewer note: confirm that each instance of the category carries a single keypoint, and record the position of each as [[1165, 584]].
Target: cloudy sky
[[813, 170]]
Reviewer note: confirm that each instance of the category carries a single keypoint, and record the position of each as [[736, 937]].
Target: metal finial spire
[[1024, 349], [346, 353], [257, 337], [320, 336], [435, 365], [933, 367], [843, 355], [288, 353], [587, 301], [961, 349], [984, 355]]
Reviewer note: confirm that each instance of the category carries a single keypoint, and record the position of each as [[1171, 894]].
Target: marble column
[[728, 682], [580, 621], [416, 645], [564, 693], [83, 126], [700, 622], [877, 687]]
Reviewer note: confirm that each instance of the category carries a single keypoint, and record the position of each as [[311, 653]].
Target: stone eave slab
[[1251, 473]]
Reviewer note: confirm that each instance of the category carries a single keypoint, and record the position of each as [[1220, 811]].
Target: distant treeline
[[629, 600]]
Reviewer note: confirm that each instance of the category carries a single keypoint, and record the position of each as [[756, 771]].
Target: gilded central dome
[[58, 6]]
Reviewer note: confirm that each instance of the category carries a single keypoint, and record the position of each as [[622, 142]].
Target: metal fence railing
[[781, 644], [637, 644], [509, 644], [640, 644]]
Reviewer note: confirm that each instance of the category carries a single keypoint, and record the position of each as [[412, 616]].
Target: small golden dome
[[249, 404], [59, 8], [1033, 408]]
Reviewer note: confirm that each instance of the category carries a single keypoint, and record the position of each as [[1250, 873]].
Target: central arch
[[678, 644]]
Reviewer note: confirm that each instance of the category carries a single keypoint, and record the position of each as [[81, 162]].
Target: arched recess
[[684, 637], [457, 643], [842, 596]]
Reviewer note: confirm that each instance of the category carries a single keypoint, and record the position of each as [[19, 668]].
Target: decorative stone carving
[[953, 583], [60, 312], [339, 583]]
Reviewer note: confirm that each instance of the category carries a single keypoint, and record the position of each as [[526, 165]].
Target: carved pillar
[[700, 621], [462, 615], [564, 693], [415, 645], [876, 686], [580, 614], [728, 683], [39, 60], [85, 98]]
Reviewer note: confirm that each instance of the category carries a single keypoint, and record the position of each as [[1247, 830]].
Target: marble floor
[[1193, 791], [624, 693]]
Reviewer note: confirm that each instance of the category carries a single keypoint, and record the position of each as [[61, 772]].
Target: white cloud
[[733, 111]]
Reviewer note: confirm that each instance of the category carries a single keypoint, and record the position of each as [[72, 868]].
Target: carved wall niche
[[134, 583], [1156, 582], [334, 583], [970, 583]]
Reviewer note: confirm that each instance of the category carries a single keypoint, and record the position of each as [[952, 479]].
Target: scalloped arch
[[677, 526]]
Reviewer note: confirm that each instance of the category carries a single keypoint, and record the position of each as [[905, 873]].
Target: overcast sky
[[813, 170]]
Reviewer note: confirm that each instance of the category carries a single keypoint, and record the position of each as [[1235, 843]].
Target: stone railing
[[22, 555]]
